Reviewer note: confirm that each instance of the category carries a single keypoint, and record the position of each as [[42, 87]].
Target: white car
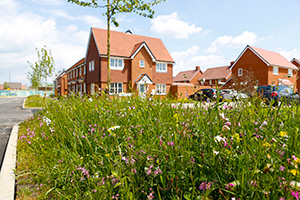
[[234, 95]]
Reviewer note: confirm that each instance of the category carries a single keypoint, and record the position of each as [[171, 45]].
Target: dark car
[[210, 94], [277, 93]]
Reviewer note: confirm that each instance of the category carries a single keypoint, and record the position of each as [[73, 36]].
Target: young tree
[[34, 75], [42, 68], [114, 7]]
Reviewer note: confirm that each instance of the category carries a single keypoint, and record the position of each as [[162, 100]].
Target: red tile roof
[[270, 58], [186, 75], [76, 64], [123, 44], [216, 73]]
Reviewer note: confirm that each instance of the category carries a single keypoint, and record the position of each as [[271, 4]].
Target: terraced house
[[137, 62], [76, 77], [296, 62]]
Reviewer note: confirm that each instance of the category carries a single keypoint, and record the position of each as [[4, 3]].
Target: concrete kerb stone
[[7, 174]]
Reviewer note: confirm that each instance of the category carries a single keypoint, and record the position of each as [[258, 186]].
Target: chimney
[[128, 32], [231, 63], [197, 68]]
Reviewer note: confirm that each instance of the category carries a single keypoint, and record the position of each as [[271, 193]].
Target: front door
[[142, 88]]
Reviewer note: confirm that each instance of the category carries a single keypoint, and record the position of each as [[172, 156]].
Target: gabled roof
[[124, 45], [186, 75], [143, 78], [296, 60], [216, 73], [269, 57], [80, 62], [138, 47]]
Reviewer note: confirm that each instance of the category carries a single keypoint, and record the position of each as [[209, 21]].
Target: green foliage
[[42, 68], [134, 148], [37, 101]]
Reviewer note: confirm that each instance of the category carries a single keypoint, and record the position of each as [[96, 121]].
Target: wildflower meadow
[[145, 148]]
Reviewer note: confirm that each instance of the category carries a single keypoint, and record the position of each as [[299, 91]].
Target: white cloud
[[172, 26], [246, 38], [49, 2], [189, 59], [291, 54], [25, 31]]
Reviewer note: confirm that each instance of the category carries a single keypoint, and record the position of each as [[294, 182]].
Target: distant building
[[190, 76], [13, 85], [1, 86]]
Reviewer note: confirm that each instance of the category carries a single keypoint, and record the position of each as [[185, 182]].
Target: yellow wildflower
[[294, 172], [266, 144], [107, 155], [282, 133]]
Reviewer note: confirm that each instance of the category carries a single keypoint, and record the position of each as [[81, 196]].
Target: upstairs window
[[116, 63], [80, 71], [161, 67], [76, 72], [275, 70], [84, 70], [91, 66], [240, 72], [142, 63], [290, 73]]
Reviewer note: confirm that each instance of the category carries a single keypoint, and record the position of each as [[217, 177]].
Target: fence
[[25, 93]]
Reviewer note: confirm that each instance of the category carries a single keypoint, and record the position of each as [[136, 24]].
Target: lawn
[[134, 148], [37, 101]]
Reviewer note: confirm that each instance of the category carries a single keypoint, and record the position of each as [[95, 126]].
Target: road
[[11, 113]]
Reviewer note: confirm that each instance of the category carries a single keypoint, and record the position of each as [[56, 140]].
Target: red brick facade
[[262, 63]]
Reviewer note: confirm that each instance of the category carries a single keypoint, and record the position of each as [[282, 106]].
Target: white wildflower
[[219, 139], [114, 127]]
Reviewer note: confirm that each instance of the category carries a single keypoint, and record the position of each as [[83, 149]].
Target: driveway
[[11, 113]]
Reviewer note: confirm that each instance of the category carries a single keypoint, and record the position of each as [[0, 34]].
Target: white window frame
[[142, 63], [84, 69], [115, 88], [275, 70], [80, 71], [116, 64], [290, 72], [161, 89], [240, 72], [76, 72], [210, 82], [161, 67], [91, 66]]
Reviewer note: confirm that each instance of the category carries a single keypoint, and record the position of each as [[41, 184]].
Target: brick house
[[296, 62], [190, 76], [60, 84], [215, 76], [76, 77], [267, 67], [138, 62]]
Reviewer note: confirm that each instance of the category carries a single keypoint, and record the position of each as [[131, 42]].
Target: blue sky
[[207, 33]]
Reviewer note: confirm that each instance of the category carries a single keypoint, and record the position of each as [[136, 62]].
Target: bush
[[133, 148]]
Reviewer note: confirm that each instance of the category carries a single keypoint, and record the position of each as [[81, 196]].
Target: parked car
[[230, 94], [277, 93], [210, 94]]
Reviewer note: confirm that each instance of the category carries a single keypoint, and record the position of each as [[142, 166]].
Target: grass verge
[[37, 101], [134, 148]]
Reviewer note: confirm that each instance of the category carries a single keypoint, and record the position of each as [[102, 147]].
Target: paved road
[[11, 113]]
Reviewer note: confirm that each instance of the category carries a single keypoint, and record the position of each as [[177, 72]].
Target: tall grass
[[134, 148]]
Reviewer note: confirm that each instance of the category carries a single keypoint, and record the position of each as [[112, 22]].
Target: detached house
[[269, 68], [138, 62], [190, 76], [76, 77], [215, 76]]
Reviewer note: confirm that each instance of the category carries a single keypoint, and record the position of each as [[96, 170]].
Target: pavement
[[12, 112]]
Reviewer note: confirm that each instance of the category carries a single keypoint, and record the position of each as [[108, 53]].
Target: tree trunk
[[108, 45]]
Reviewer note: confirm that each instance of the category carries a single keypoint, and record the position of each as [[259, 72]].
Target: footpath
[[7, 173]]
